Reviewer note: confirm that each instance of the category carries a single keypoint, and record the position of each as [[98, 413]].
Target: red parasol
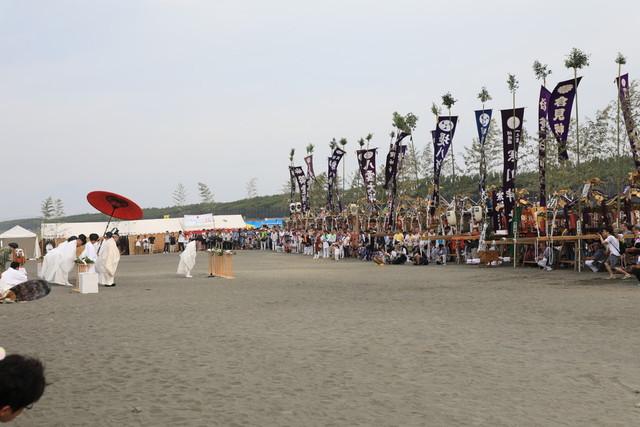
[[114, 205]]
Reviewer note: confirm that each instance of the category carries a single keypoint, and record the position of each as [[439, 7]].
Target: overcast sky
[[136, 96]]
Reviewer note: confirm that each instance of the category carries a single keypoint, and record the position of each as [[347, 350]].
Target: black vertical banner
[[511, 135], [301, 179], [394, 158], [559, 114], [442, 138], [543, 125], [332, 174], [367, 163], [292, 179], [483, 121], [629, 122]]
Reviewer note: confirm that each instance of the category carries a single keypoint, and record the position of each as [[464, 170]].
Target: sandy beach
[[297, 342]]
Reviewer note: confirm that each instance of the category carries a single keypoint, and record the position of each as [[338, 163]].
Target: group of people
[[381, 248], [99, 255], [616, 253]]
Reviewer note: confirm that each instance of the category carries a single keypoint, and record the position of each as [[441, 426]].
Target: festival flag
[[391, 167], [511, 135], [442, 137], [309, 161], [332, 174], [367, 163], [301, 179], [543, 125], [559, 114], [494, 211], [292, 180], [483, 120], [627, 114]]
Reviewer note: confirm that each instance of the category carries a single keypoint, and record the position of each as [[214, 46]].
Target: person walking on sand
[[187, 259], [613, 247]]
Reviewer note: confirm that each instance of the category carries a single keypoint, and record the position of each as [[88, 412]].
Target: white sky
[[135, 96]]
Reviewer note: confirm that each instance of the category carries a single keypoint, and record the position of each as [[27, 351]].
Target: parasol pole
[[106, 229]]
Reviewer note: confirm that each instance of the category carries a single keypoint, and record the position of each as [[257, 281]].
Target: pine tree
[[180, 195], [206, 195], [252, 188], [59, 208], [48, 208]]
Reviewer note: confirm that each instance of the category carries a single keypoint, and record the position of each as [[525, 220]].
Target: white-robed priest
[[58, 262], [108, 259], [14, 275], [187, 259], [91, 251]]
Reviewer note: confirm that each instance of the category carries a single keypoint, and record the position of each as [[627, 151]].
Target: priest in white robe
[[91, 251], [60, 261], [188, 259], [12, 277], [108, 259]]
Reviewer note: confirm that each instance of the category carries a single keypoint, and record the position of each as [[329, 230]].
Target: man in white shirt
[[613, 247], [10, 278]]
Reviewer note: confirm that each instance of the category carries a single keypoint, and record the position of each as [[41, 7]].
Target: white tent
[[228, 221], [26, 240], [143, 226], [126, 228]]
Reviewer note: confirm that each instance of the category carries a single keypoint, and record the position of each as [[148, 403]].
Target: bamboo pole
[[618, 173]]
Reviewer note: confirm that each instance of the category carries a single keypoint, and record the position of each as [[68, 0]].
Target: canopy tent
[[26, 240], [125, 228], [142, 226], [221, 222]]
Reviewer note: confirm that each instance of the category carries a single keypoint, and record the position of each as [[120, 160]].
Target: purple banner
[[543, 125], [367, 163], [511, 134], [559, 114], [627, 114], [483, 120], [442, 137], [332, 174]]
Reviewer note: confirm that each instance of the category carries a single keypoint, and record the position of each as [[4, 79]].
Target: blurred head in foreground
[[22, 384]]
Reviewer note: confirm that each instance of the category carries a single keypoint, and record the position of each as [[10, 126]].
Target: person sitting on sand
[[544, 260], [10, 278], [398, 255], [441, 254], [598, 258], [22, 383]]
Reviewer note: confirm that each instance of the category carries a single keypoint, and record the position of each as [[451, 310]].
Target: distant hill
[[256, 207]]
